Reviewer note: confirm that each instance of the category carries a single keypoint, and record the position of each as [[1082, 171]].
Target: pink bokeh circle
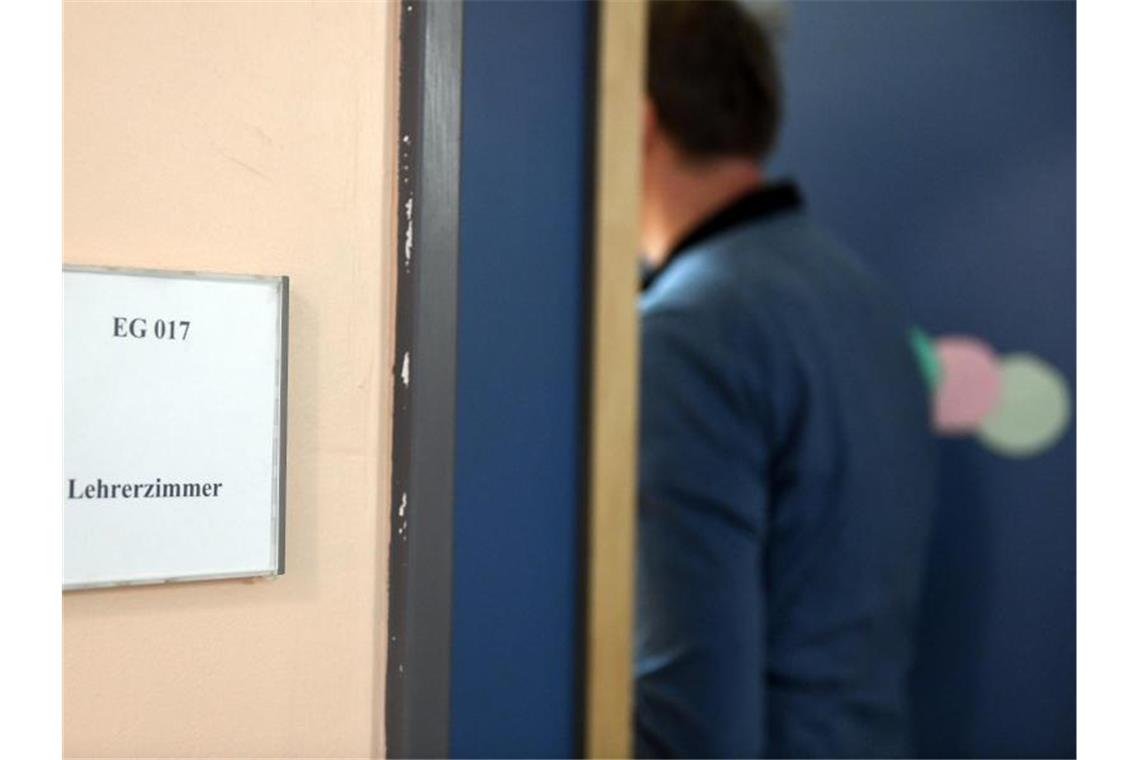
[[971, 384]]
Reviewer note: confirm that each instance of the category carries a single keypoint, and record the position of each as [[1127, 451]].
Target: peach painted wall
[[253, 137]]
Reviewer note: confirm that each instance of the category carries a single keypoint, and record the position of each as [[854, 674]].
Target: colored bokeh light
[[1017, 405]]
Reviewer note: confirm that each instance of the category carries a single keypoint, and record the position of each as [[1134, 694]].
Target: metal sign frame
[[280, 422]]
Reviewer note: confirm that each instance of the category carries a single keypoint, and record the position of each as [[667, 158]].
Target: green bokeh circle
[[1033, 410], [927, 357]]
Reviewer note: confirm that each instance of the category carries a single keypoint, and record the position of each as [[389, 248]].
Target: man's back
[[786, 489]]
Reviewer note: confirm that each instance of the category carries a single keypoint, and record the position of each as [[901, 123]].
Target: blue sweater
[[786, 492]]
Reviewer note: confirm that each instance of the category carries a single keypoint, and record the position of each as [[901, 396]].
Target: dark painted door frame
[[418, 693]]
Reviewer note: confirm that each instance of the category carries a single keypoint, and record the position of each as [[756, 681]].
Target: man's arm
[[701, 519]]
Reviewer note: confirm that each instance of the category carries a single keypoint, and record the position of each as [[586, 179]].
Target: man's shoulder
[[752, 267], [762, 289]]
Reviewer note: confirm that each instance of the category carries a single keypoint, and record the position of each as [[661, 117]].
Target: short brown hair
[[713, 78]]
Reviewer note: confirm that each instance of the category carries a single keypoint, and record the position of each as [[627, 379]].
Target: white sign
[[174, 426]]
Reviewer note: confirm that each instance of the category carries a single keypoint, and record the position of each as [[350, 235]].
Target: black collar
[[753, 205]]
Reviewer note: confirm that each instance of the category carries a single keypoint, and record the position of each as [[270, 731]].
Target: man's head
[[712, 110]]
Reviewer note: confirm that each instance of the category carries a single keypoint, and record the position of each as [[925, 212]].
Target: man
[[786, 468]]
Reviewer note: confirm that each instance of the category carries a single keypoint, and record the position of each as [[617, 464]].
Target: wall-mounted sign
[[174, 426]]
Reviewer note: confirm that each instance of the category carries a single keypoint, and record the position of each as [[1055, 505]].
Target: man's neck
[[692, 194]]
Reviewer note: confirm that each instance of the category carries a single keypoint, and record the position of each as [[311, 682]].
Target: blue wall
[[939, 140], [523, 214]]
